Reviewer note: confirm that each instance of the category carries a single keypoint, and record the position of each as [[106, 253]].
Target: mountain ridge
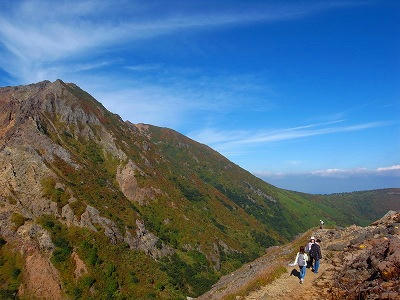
[[80, 185]]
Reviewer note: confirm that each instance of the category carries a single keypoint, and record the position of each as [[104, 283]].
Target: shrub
[[18, 220], [50, 191], [87, 281], [109, 269], [262, 239], [61, 254], [58, 233], [89, 253], [133, 278]]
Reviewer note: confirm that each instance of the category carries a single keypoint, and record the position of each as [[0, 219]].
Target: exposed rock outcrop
[[80, 267], [126, 178], [91, 217], [147, 242]]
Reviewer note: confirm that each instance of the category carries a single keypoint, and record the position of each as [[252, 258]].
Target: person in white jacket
[[301, 261]]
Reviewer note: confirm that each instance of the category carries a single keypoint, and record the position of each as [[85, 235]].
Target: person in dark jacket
[[315, 255]]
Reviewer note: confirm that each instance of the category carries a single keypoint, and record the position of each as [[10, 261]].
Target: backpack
[[315, 251], [301, 261]]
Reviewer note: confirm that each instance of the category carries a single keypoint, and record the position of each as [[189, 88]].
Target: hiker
[[301, 261], [315, 256], [307, 250], [321, 224]]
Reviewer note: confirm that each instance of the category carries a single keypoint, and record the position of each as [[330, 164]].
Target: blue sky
[[304, 94]]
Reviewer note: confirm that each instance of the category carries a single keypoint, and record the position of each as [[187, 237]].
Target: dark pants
[[310, 262]]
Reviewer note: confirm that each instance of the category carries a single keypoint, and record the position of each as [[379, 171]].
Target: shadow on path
[[295, 273]]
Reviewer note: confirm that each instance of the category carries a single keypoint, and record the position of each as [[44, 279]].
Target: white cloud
[[144, 67], [340, 172], [39, 33], [393, 170], [390, 168], [173, 100], [230, 139]]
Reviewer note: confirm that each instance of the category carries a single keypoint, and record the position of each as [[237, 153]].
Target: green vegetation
[[197, 275], [50, 191], [114, 271], [18, 220], [11, 264]]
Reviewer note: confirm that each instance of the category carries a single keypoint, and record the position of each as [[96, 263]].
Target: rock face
[[40, 279], [369, 268], [126, 178], [91, 217], [147, 242]]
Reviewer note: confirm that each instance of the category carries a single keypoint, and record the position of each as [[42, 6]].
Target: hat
[[312, 238]]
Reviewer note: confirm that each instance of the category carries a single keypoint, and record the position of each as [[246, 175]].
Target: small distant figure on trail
[[301, 260], [321, 224], [315, 256]]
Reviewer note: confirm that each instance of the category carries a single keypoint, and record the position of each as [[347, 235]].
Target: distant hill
[[99, 207]]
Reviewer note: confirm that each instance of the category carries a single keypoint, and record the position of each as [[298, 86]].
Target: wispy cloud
[[143, 67], [228, 139], [166, 101], [38, 32]]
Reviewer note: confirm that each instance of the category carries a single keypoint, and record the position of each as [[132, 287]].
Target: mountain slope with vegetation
[[115, 209]]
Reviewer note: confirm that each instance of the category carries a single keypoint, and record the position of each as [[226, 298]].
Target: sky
[[304, 94]]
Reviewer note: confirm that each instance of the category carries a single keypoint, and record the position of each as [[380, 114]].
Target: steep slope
[[114, 209]]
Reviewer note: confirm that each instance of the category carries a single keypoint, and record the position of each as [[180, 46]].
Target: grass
[[263, 279], [11, 265]]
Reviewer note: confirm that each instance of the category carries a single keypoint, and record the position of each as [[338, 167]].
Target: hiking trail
[[357, 263], [288, 286]]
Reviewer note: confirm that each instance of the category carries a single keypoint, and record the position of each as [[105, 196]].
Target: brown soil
[[80, 267], [41, 279]]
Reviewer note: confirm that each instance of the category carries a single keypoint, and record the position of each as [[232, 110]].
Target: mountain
[[98, 208], [357, 263]]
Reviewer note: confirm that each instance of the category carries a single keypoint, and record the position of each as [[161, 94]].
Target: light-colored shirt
[[308, 247], [297, 258]]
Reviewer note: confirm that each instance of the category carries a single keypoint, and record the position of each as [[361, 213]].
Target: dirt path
[[288, 286]]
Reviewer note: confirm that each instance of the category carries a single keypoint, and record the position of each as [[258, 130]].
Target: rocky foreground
[[358, 263]]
